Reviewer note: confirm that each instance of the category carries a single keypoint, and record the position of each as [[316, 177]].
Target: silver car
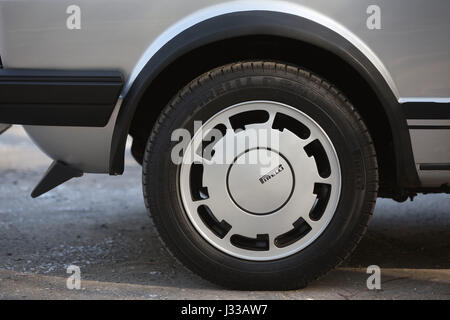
[[266, 130]]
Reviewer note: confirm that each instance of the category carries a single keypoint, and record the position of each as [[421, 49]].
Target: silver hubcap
[[256, 193], [267, 187]]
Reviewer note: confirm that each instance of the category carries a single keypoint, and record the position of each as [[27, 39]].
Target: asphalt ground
[[99, 223]]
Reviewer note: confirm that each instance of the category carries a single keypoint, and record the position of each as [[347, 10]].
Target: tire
[[221, 241]]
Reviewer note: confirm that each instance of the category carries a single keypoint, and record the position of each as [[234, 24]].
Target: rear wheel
[[274, 185]]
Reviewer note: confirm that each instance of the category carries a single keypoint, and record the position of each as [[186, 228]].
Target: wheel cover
[[267, 188]]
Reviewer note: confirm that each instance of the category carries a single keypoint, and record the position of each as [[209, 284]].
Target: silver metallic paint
[[86, 149], [431, 146], [411, 51]]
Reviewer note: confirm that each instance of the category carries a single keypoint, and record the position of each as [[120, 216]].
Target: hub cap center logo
[[271, 174]]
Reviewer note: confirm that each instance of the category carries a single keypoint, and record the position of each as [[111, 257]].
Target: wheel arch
[[161, 76]]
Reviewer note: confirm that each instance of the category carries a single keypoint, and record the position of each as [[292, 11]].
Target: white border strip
[[417, 99]]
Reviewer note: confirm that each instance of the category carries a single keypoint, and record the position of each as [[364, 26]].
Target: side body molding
[[282, 24], [58, 97]]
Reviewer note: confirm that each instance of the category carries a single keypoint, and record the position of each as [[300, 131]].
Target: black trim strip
[[58, 97], [428, 127], [434, 166], [426, 110]]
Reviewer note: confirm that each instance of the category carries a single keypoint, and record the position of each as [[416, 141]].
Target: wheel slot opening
[[260, 243], [206, 148], [283, 121], [198, 191], [301, 229], [240, 120], [316, 150], [219, 228], [323, 192]]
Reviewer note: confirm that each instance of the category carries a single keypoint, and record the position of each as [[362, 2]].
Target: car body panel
[[411, 50], [116, 34]]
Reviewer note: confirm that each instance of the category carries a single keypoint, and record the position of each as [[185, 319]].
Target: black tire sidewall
[[323, 106]]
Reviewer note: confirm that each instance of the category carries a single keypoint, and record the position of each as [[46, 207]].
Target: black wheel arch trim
[[269, 23]]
